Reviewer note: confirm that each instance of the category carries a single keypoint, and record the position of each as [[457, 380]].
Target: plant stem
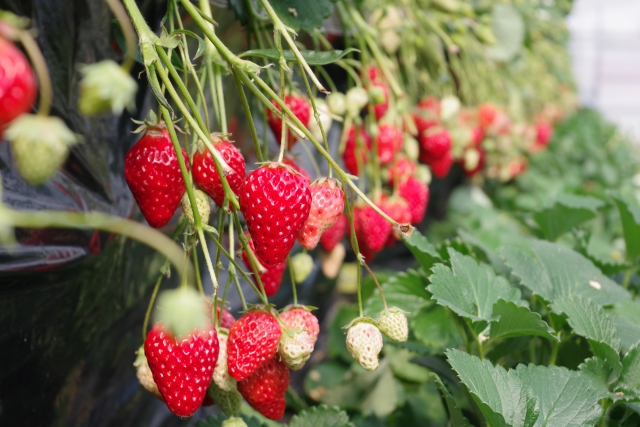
[[40, 67], [355, 247], [197, 269], [147, 315], [384, 300], [627, 278], [127, 30], [247, 113], [293, 281]]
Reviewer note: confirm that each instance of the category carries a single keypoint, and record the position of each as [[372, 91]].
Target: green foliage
[[515, 321], [567, 212], [302, 14], [312, 57], [321, 416], [509, 29]]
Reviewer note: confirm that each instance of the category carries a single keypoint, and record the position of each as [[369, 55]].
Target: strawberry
[[364, 342], [430, 104], [442, 166], [401, 169], [204, 169], [153, 175], [332, 236], [275, 201], [227, 319], [393, 323], [300, 318], [300, 108], [380, 108], [389, 142], [287, 160], [202, 203], [398, 209], [337, 103], [17, 83], [356, 150], [435, 142], [253, 341], [302, 265], [473, 161], [416, 193], [487, 114], [478, 135], [356, 98], [143, 372], [265, 390], [182, 367], [295, 348], [544, 131], [372, 230], [221, 376], [327, 205], [424, 121], [374, 73], [271, 277]]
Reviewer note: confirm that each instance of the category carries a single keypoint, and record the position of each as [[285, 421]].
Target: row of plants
[[431, 86]]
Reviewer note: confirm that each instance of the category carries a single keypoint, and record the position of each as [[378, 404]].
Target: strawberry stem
[[147, 315], [247, 113], [40, 67], [293, 281], [127, 30], [283, 64], [354, 245], [384, 300]]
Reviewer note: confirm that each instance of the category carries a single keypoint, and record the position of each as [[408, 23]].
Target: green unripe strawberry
[[393, 323], [337, 103], [302, 265], [202, 202], [40, 145], [228, 401], [106, 86], [357, 98], [234, 422]]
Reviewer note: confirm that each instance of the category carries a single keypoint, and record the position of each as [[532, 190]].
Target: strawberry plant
[[510, 316]]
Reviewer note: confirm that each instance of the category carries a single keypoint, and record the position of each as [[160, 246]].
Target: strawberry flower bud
[[40, 145], [106, 86]]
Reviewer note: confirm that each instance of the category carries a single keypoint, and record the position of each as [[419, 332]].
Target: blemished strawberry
[[301, 318], [327, 205], [389, 141], [416, 193], [295, 348], [435, 143], [400, 170], [364, 342], [442, 166], [393, 323], [356, 150], [334, 235], [265, 390], [152, 172], [275, 201], [271, 277], [253, 341], [18, 87], [204, 169], [145, 377], [300, 108], [372, 230], [287, 160], [221, 376], [380, 108], [182, 367], [398, 209]]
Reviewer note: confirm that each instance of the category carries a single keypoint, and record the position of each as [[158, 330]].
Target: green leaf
[[216, 421], [383, 398], [456, 416], [407, 291], [626, 318], [337, 335], [321, 416], [630, 216], [468, 288], [509, 29], [422, 249], [517, 321], [565, 398], [591, 321], [435, 327], [553, 271], [311, 56], [122, 44], [302, 14], [323, 377], [202, 46], [403, 368], [567, 212], [501, 396], [629, 381]]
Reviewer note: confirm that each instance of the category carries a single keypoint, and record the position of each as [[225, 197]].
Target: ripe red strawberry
[[424, 121], [302, 171], [17, 83], [442, 166], [401, 170], [380, 109], [327, 205], [398, 209], [375, 74], [227, 318], [153, 175], [253, 341], [487, 114], [544, 131], [354, 146], [182, 368], [431, 104], [416, 193], [389, 142], [372, 230], [478, 135], [275, 202], [331, 237], [300, 108], [206, 176], [271, 277], [435, 142], [295, 317], [265, 390]]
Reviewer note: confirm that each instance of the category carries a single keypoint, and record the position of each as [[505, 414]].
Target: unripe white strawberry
[[202, 202], [325, 119], [228, 401], [221, 376], [411, 147], [295, 348], [337, 103], [234, 422], [302, 265], [300, 318], [144, 374], [393, 323], [357, 98], [364, 342]]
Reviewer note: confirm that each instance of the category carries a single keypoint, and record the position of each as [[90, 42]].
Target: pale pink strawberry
[[327, 205]]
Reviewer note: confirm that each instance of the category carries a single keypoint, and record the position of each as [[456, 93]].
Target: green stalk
[[247, 113]]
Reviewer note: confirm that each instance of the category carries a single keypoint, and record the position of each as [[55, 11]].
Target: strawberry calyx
[[362, 319]]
